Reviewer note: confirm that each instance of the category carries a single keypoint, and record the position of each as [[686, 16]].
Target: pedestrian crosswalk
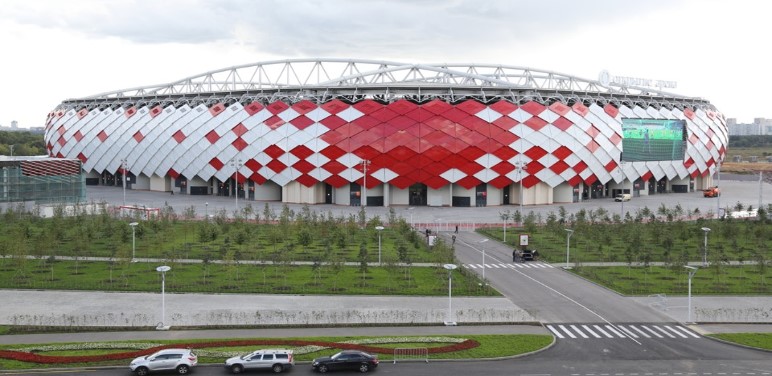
[[635, 331], [514, 265]]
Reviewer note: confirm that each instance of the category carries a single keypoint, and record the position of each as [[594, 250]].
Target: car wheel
[[277, 368], [364, 368], [237, 368], [322, 368], [183, 369], [141, 371]]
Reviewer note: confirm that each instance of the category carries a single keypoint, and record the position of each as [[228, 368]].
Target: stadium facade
[[383, 133]]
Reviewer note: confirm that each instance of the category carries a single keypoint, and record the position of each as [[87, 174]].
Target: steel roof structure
[[319, 80]]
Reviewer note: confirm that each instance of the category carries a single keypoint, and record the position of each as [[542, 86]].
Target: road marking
[[640, 331], [579, 331], [563, 328], [628, 332], [554, 331], [663, 331], [668, 327], [687, 331], [652, 332], [603, 331], [612, 329], [587, 328]]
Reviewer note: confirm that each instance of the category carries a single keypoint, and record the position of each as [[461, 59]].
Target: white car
[[181, 361], [275, 360]]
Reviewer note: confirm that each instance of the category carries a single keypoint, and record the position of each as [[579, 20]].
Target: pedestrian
[[514, 255], [453, 238], [456, 229]]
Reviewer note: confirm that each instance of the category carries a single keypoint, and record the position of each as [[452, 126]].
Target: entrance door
[[481, 195], [327, 194], [356, 195], [417, 194], [505, 199]]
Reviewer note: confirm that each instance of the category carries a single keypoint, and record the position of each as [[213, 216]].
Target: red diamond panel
[[239, 144], [173, 174], [402, 122], [469, 182], [472, 153], [253, 108], [216, 109], [530, 181], [366, 152], [402, 168], [274, 122], [179, 136], [533, 108], [212, 137], [137, 136], [562, 153], [239, 130], [476, 124], [575, 181], [470, 106], [535, 123], [257, 178], [435, 182], [579, 167], [368, 106], [559, 166], [216, 163], [384, 114], [274, 151], [560, 108], [437, 106], [470, 168], [591, 179], [304, 166], [503, 168], [402, 106], [336, 181], [79, 136], [535, 153], [693, 139], [332, 122], [252, 165], [82, 158], [130, 112], [332, 137], [592, 146], [155, 111], [302, 152], [534, 167], [333, 152], [61, 142], [334, 106], [366, 122], [277, 107], [419, 114], [334, 167], [306, 180], [437, 153], [647, 176], [435, 168], [455, 115], [348, 130], [580, 109], [401, 153], [303, 107], [61, 130], [562, 123], [102, 136], [504, 107], [504, 153], [615, 139], [611, 110], [689, 113], [276, 166], [82, 113], [611, 166], [593, 132], [401, 182], [301, 122], [500, 182]]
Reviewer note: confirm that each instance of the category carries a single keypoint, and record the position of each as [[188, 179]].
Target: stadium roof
[[355, 79]]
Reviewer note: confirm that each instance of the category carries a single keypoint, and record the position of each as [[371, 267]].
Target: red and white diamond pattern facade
[[435, 143]]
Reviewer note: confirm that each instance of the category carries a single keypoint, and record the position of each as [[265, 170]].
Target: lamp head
[[690, 267], [163, 269], [569, 230], [379, 228], [705, 229], [132, 224], [450, 266]]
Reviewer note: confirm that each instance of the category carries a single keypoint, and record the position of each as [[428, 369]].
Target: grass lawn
[[758, 340], [640, 280], [489, 346], [239, 278]]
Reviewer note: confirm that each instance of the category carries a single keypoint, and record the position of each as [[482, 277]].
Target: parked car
[[711, 192], [181, 361], [346, 360], [623, 197], [275, 360]]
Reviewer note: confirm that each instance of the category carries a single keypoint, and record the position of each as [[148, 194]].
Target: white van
[[623, 197]]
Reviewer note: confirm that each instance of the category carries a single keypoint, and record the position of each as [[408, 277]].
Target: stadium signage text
[[605, 79]]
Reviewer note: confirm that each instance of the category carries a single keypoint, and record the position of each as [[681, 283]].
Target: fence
[[412, 353]]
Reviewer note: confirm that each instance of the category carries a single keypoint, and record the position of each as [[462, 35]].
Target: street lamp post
[[364, 163], [163, 269], [521, 167], [569, 232], [718, 194], [11, 146], [450, 268], [236, 164], [705, 247], [123, 172], [133, 242], [483, 255], [379, 229], [691, 270], [206, 211]]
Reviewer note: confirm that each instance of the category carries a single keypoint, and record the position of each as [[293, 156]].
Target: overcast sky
[[53, 49]]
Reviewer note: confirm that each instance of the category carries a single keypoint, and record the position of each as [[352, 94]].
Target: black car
[[347, 359]]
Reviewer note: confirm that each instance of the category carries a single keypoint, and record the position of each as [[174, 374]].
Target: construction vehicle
[[711, 192]]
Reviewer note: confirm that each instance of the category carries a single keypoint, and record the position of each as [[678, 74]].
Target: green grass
[[639, 280], [758, 340], [219, 278], [491, 346]]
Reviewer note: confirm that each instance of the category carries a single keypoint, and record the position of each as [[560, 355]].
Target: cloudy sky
[[53, 49]]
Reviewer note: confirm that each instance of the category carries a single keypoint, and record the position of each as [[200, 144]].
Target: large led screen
[[653, 140]]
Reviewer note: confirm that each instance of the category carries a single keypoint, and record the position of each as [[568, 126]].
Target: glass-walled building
[[43, 180]]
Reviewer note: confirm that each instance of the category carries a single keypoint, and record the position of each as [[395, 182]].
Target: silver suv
[[179, 360], [275, 360]]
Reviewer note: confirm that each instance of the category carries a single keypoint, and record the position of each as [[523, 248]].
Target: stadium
[[382, 133]]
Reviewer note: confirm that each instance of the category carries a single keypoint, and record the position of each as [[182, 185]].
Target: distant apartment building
[[760, 126]]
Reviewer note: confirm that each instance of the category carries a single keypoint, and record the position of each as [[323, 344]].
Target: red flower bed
[[60, 359]]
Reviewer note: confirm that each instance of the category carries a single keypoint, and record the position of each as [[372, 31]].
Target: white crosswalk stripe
[[623, 331], [514, 265]]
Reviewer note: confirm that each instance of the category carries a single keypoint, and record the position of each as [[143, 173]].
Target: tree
[[362, 257]]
